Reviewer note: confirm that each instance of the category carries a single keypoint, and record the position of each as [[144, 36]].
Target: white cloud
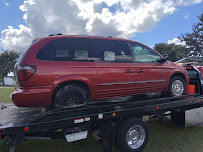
[[152, 46], [16, 39], [188, 2], [6, 3], [176, 41], [118, 18], [187, 16]]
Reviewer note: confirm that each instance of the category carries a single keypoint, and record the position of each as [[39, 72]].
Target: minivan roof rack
[[33, 41], [55, 34], [52, 34], [83, 35]]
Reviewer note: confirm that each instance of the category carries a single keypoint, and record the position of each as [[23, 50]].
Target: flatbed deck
[[13, 117]]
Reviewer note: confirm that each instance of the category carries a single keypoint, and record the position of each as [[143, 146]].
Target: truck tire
[[177, 86], [69, 96], [132, 135]]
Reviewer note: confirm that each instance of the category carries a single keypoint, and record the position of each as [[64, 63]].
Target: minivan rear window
[[23, 52], [70, 49]]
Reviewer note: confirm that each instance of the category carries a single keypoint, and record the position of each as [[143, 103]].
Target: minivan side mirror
[[163, 59], [166, 56]]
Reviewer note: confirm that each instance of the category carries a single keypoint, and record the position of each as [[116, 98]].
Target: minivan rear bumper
[[32, 96]]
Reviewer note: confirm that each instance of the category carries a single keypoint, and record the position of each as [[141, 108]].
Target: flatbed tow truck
[[116, 121]]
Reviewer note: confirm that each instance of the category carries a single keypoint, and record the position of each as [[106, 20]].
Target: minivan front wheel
[[177, 86], [69, 96]]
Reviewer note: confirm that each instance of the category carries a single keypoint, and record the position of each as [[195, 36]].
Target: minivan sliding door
[[114, 67]]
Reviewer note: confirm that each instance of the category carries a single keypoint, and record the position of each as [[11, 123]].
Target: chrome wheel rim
[[177, 88], [135, 136]]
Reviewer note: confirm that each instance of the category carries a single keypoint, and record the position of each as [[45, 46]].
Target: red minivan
[[62, 70]]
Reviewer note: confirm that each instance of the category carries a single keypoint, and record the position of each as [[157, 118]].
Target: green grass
[[164, 137], [5, 94]]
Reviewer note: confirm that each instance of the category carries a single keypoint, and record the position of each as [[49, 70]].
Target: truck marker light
[[100, 116], [79, 120], [157, 107], [190, 101], [87, 119], [114, 114], [26, 129]]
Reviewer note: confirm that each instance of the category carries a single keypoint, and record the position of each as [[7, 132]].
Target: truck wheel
[[177, 86], [69, 96], [132, 135]]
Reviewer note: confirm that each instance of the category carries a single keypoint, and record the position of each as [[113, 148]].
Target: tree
[[7, 62], [194, 41], [175, 52]]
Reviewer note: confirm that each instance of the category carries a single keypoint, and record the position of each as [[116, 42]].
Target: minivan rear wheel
[[69, 96], [177, 86]]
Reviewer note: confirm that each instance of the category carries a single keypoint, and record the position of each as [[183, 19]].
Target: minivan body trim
[[117, 83], [132, 82], [150, 81]]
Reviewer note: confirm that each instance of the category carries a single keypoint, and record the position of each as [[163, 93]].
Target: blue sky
[[11, 15], [170, 26]]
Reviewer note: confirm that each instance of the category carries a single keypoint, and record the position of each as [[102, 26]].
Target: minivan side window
[[144, 54], [74, 49], [111, 51]]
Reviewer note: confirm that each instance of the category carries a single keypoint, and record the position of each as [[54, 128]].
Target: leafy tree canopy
[[194, 40], [175, 52], [7, 62]]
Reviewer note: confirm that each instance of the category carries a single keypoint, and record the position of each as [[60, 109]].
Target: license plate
[[76, 136]]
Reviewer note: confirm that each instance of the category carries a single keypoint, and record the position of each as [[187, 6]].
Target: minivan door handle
[[140, 71], [129, 71]]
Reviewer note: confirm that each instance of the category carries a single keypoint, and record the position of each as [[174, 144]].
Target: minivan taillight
[[24, 72]]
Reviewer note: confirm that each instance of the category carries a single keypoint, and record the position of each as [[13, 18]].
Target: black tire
[[178, 82], [69, 96], [142, 136]]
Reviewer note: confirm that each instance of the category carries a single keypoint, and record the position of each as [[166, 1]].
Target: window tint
[[111, 51], [144, 54], [62, 53], [81, 53], [23, 53], [66, 49]]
